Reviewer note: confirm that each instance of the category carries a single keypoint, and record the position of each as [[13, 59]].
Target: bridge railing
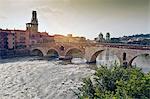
[[124, 46], [59, 43]]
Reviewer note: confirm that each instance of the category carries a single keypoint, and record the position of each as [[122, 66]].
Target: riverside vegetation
[[116, 82]]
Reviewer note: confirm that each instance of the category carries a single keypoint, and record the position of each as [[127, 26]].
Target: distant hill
[[140, 36]]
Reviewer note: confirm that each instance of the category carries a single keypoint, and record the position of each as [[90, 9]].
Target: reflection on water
[[107, 58], [143, 62]]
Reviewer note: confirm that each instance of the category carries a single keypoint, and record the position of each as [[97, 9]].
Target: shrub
[[116, 83]]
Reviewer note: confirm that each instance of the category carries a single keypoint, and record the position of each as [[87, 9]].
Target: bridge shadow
[[52, 55]]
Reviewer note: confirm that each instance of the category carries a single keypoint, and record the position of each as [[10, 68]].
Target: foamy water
[[28, 78]]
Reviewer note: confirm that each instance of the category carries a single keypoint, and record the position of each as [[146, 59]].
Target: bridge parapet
[[123, 46]]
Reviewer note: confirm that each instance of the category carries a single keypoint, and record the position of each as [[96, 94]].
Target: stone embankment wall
[[14, 53]]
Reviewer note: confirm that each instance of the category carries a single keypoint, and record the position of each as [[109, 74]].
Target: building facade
[[13, 41]]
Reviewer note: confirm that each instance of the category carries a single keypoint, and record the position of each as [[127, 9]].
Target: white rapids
[[29, 78]]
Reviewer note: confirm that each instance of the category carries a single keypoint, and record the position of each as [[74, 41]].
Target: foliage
[[116, 83]]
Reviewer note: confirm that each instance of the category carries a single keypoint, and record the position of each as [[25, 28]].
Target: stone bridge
[[125, 53], [62, 50]]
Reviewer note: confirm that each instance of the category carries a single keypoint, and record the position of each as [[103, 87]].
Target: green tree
[[116, 83]]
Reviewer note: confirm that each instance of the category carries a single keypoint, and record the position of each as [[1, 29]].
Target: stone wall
[[14, 53]]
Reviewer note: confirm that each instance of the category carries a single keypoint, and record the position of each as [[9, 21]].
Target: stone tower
[[34, 22], [100, 37], [108, 36], [33, 26]]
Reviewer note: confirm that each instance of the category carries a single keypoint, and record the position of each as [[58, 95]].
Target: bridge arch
[[37, 52], [74, 53], [109, 56], [52, 53], [135, 56], [94, 56]]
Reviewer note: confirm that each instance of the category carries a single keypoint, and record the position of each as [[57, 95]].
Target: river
[[34, 78], [37, 78]]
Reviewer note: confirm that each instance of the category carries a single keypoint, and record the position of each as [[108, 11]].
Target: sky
[[80, 17]]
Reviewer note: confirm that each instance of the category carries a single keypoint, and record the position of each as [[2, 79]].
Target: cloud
[[81, 16], [48, 10], [3, 17]]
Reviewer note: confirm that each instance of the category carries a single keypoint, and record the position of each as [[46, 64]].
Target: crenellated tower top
[[33, 26]]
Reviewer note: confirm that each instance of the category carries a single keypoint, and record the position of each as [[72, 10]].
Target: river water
[[37, 78], [34, 78]]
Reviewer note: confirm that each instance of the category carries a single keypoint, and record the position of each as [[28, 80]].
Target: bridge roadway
[[125, 53]]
